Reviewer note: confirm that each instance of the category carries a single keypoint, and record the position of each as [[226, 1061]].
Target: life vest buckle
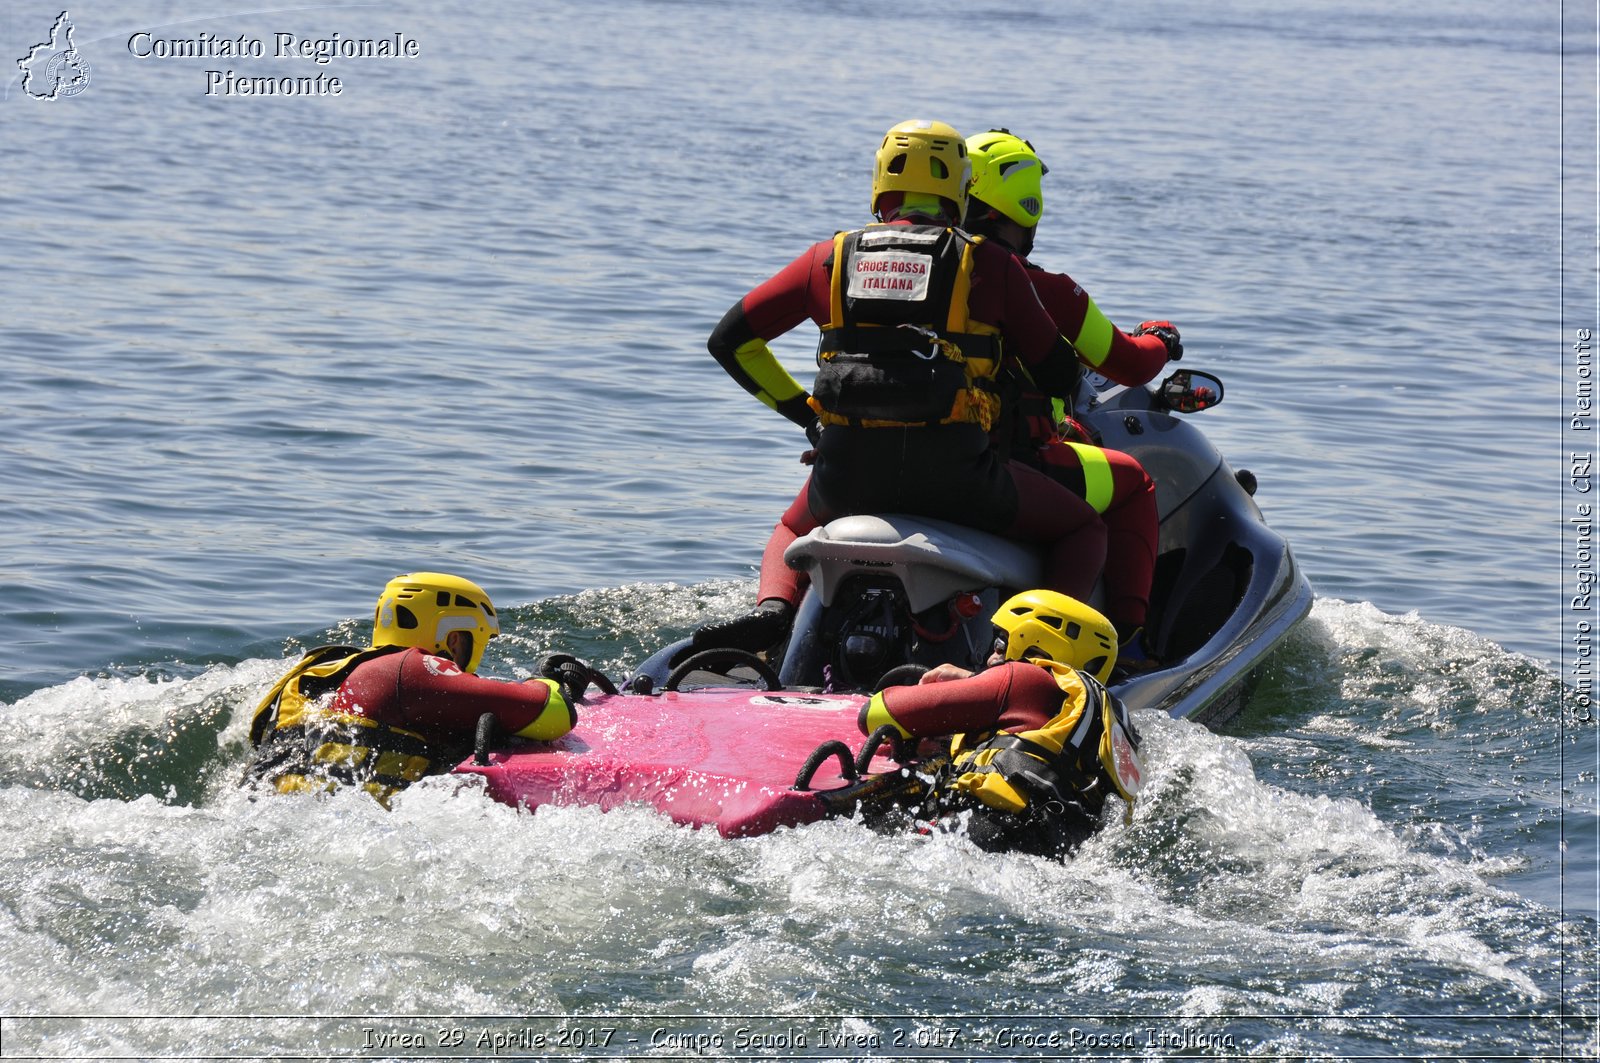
[[936, 346]]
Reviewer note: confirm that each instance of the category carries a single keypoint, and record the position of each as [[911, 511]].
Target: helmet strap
[[981, 219], [1026, 242], [986, 221]]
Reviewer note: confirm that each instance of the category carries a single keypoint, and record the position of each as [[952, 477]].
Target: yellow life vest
[[1087, 751], [301, 746], [899, 347]]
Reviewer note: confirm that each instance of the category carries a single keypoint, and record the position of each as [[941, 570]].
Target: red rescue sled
[[746, 761]]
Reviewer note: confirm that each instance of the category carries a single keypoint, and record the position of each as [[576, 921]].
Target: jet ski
[[891, 595], [747, 743]]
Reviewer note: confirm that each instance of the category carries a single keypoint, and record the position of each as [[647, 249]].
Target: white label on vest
[[898, 235], [889, 275]]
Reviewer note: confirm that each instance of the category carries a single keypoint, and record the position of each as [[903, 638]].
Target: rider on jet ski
[[383, 717], [1039, 743], [1004, 204], [914, 315]]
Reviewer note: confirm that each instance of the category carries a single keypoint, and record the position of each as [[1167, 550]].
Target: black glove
[[814, 433], [1168, 334], [573, 675]]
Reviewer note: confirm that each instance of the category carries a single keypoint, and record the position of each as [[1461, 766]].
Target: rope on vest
[[937, 345]]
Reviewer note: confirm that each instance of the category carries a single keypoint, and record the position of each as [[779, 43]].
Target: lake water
[[263, 353]]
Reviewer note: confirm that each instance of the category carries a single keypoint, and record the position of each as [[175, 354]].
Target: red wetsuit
[[1127, 504], [1130, 360], [946, 471], [433, 697], [1010, 697], [394, 716]]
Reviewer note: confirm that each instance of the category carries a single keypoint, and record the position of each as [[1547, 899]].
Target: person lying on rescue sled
[[383, 717], [1004, 204], [1039, 743], [914, 315]]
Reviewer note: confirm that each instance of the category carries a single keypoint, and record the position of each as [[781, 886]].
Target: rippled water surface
[[263, 353]]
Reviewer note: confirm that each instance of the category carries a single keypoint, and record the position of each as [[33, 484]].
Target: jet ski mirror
[[1190, 391]]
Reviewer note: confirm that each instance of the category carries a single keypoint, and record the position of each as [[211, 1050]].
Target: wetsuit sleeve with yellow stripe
[[556, 718], [1129, 360], [739, 342], [437, 697], [747, 358], [972, 704]]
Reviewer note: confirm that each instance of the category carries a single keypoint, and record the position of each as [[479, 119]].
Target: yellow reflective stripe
[[1094, 338], [877, 714], [761, 366], [299, 784], [1098, 486], [956, 319], [401, 766], [836, 283], [340, 753], [554, 720]]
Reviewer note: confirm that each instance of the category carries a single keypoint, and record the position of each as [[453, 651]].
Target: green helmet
[[1005, 175]]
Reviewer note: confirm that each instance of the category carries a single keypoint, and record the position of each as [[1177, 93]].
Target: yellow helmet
[[923, 156], [422, 608], [1049, 624], [1005, 175]]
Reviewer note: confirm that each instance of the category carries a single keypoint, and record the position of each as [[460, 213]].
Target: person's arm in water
[[1011, 696], [432, 693]]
